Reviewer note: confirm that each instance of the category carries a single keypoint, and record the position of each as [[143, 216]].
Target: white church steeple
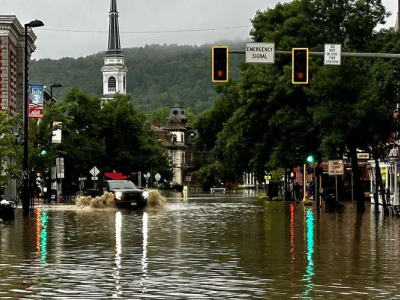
[[114, 69]]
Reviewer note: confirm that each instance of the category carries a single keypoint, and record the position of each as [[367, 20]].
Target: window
[[112, 84]]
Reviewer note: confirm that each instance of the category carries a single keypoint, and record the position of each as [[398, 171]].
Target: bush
[[307, 202], [263, 196], [277, 198]]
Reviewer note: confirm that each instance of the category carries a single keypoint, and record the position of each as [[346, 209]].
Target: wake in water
[[103, 201], [154, 201]]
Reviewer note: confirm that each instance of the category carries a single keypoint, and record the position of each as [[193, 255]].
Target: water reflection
[[309, 274], [292, 245], [42, 218], [144, 257], [118, 250], [225, 247]]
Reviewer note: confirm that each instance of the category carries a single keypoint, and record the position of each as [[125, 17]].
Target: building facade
[[12, 72], [177, 139], [12, 43]]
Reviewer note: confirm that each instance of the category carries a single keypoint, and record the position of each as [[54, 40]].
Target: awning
[[115, 175]]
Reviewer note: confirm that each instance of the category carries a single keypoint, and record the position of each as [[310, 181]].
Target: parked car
[[126, 193], [7, 207]]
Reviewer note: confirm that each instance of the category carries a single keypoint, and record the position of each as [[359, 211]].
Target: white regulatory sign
[[332, 54], [260, 53], [336, 167]]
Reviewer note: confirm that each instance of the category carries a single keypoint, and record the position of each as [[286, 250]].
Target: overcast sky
[[76, 28]]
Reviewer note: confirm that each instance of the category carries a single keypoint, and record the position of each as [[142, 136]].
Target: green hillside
[[158, 75]]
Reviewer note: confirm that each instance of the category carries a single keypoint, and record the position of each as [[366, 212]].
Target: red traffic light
[[219, 72], [300, 65]]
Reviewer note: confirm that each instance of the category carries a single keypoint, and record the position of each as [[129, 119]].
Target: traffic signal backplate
[[300, 65], [219, 72]]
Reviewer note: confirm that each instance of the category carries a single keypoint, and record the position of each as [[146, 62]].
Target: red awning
[[115, 175]]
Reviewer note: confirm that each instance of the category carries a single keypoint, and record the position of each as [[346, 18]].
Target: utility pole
[[398, 15], [347, 54]]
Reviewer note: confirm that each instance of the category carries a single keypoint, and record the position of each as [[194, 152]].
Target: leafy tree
[[275, 117], [208, 124], [109, 135], [10, 152]]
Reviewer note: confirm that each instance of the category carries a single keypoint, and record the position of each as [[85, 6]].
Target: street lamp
[[55, 85], [147, 176], [26, 194], [16, 131]]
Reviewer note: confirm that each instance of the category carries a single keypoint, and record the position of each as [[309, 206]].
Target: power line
[[145, 32]]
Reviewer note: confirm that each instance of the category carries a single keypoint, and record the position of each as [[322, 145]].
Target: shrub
[[307, 202]]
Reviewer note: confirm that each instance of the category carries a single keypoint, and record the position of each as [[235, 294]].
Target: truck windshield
[[122, 184]]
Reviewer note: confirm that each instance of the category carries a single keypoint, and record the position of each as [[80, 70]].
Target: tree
[[109, 135], [276, 117], [10, 151]]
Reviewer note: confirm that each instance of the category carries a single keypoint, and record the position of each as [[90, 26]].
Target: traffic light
[[310, 159], [297, 156], [300, 65], [293, 175], [219, 60]]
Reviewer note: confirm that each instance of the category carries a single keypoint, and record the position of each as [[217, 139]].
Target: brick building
[[12, 43]]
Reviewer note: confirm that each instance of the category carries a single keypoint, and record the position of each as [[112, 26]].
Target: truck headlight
[[145, 194], [118, 195]]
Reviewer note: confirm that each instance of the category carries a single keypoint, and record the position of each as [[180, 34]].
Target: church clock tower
[[114, 69]]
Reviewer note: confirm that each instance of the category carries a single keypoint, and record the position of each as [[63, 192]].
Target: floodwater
[[218, 246]]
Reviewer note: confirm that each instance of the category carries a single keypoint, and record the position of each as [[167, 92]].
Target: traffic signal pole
[[304, 181], [347, 54]]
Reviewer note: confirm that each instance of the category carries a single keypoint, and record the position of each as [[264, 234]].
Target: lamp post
[[26, 193], [55, 85], [16, 131], [147, 176]]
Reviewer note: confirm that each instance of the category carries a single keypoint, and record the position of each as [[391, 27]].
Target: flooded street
[[208, 247]]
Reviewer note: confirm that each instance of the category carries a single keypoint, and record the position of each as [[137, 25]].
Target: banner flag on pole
[[36, 99]]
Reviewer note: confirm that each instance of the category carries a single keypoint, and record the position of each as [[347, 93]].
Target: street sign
[[94, 171], [157, 177], [363, 155], [95, 178], [60, 167], [260, 53], [332, 54], [82, 178], [336, 167]]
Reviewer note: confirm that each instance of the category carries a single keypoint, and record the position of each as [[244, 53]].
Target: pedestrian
[[297, 192]]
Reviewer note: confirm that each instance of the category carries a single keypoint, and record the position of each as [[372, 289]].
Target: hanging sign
[[332, 54], [35, 100], [260, 53], [56, 138], [336, 167]]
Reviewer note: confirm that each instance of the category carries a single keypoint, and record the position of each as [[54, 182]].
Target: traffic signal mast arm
[[348, 54]]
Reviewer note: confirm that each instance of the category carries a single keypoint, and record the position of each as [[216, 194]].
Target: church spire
[[114, 45], [114, 69]]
